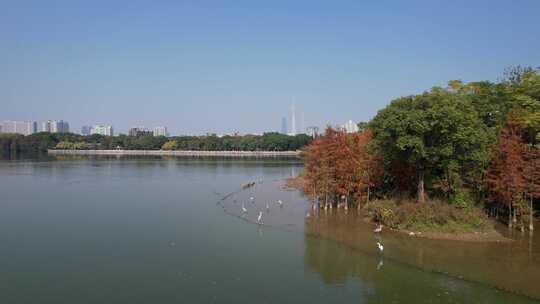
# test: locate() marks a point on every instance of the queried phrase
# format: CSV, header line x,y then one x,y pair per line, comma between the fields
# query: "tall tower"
x,y
293,119
302,128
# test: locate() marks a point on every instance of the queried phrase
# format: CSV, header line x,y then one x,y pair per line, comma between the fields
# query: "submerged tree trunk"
x,y
510,215
531,225
420,191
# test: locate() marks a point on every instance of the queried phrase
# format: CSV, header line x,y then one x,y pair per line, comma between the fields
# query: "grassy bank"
x,y
430,216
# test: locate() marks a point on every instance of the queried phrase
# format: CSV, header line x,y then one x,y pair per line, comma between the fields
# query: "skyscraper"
x,y
105,130
313,131
284,125
161,131
139,131
86,130
350,127
55,126
19,127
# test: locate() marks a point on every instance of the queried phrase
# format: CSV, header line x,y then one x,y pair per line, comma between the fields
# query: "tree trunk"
x,y
531,226
510,216
420,190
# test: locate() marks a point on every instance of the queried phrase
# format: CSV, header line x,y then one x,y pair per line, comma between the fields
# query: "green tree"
x,y
436,131
170,145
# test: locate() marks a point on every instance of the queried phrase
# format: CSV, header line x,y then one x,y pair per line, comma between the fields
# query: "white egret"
x,y
259,218
378,229
380,265
381,247
244,208
280,203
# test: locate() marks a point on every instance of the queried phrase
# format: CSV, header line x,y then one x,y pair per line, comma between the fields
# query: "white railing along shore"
x,y
175,153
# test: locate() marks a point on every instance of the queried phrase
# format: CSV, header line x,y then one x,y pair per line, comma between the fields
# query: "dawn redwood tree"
x,y
344,164
506,178
338,163
367,166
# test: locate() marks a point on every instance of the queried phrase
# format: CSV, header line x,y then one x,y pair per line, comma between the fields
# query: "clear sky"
x,y
220,66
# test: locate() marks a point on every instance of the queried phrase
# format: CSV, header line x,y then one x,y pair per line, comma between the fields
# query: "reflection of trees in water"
x,y
338,264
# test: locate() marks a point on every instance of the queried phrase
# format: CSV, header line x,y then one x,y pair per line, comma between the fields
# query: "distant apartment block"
x,y
140,131
105,130
284,125
161,131
55,126
350,127
313,131
18,127
85,130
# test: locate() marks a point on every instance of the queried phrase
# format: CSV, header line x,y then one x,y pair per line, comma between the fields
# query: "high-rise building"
x,y
19,127
140,131
284,125
105,130
350,127
86,130
313,131
161,131
55,126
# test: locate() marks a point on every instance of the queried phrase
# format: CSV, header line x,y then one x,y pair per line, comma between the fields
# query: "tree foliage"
x,y
40,142
339,166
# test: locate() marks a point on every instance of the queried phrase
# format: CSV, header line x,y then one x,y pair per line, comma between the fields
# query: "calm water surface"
x,y
165,230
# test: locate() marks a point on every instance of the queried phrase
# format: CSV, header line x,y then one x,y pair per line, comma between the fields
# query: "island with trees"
x,y
448,160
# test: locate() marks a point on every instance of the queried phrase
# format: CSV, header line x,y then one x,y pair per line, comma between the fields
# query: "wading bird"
x,y
280,203
259,218
378,229
244,208
381,248
267,207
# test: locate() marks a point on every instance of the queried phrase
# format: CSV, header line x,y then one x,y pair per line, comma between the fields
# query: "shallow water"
x,y
159,230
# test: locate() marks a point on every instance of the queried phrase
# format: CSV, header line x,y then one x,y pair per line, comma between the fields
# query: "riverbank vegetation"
x,y
41,142
442,159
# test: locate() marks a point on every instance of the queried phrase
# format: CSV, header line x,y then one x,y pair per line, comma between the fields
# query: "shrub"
x,y
383,211
170,145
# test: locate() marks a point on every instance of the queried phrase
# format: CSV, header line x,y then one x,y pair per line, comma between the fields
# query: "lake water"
x,y
164,230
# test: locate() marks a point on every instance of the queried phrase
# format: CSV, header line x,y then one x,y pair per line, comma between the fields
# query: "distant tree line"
x,y
41,142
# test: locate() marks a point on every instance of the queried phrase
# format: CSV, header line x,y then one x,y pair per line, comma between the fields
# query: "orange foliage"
x,y
506,174
338,164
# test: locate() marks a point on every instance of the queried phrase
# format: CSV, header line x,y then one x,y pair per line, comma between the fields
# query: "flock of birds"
x,y
260,216
377,230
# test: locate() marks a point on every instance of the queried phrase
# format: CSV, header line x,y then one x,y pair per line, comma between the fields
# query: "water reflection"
x,y
443,270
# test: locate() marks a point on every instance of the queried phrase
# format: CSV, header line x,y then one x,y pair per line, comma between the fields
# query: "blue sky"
x,y
222,66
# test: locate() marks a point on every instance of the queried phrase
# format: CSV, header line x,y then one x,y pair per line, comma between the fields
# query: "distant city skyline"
x,y
201,67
